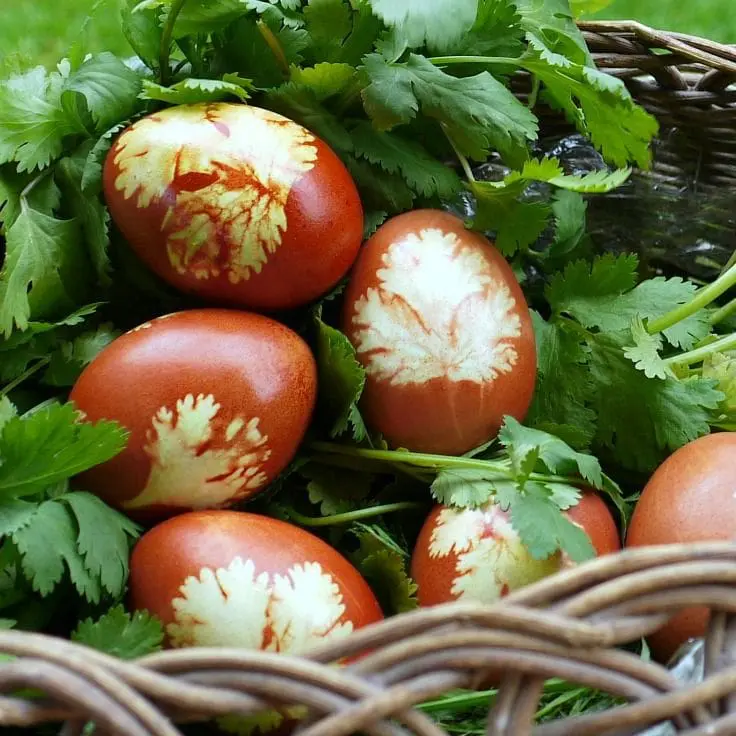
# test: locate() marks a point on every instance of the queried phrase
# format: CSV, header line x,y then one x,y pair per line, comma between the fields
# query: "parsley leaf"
x,y
328,23
437,23
50,445
423,173
121,634
468,488
340,370
497,30
142,30
33,123
335,490
478,112
644,353
191,91
70,358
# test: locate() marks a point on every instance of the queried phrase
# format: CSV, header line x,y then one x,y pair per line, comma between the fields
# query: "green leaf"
x,y
191,91
722,368
70,358
14,515
372,221
436,23
51,445
38,247
478,112
89,211
422,172
7,411
324,80
564,388
558,457
33,123
342,379
109,88
48,547
468,488
142,30
378,189
544,529
207,16
642,420
644,353
102,539
92,174
121,634
328,23
335,490
384,567
569,210
588,7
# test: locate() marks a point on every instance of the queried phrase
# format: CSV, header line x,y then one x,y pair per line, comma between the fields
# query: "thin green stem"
x,y
358,515
33,183
723,313
462,701
695,356
277,49
485,60
166,37
703,297
37,366
534,94
460,157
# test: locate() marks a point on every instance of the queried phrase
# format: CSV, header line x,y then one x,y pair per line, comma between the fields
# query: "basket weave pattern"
x,y
567,626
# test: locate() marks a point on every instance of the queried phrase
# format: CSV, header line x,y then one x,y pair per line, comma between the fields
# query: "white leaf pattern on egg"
x,y
193,465
438,313
225,173
491,559
235,606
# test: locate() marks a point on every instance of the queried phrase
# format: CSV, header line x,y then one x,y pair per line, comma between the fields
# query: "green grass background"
x,y
33,31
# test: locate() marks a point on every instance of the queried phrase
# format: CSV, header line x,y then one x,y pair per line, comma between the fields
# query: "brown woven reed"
x,y
568,626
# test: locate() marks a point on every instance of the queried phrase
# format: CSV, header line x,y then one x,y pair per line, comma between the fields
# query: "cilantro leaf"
x,y
640,419
478,112
569,210
335,490
436,23
71,357
14,515
109,88
102,539
497,30
372,221
7,411
39,247
121,634
205,16
423,173
324,79
644,353
33,122
522,442
340,370
564,389
380,190
384,567
51,445
328,23
465,487
722,368
543,529
191,91
142,30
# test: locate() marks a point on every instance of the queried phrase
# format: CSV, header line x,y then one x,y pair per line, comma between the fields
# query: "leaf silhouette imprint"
x,y
224,173
196,466
235,606
437,313
492,561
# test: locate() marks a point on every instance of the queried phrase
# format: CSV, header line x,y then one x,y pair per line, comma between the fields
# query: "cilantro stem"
x,y
695,356
703,297
277,49
495,469
166,37
487,60
37,366
534,94
460,157
357,515
723,313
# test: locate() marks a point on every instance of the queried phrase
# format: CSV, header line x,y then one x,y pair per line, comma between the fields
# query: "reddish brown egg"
x,y
235,204
691,497
441,326
227,578
476,555
216,403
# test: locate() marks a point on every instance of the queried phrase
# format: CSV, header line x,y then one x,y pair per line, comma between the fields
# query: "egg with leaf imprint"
x,y
235,579
237,205
476,555
691,497
441,326
216,402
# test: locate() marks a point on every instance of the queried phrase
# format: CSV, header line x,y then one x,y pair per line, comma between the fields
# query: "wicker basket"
x,y
570,626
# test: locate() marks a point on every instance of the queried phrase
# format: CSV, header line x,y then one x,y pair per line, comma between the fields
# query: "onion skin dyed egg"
x,y
475,555
234,204
691,497
234,579
444,333
216,403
